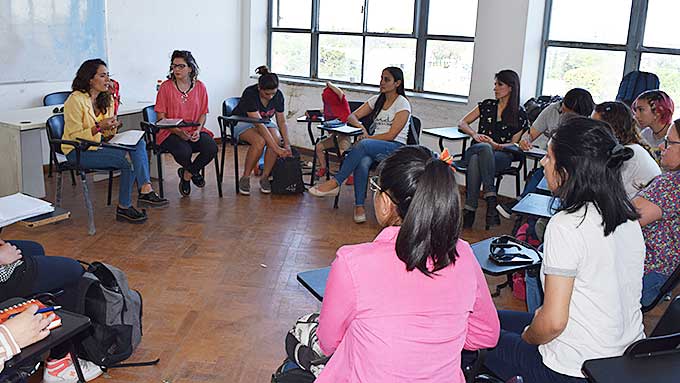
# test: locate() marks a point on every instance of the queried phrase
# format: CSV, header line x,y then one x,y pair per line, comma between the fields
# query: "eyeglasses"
x,y
375,187
667,142
178,66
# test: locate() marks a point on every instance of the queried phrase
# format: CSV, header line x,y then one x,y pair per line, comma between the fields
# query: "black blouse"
x,y
499,131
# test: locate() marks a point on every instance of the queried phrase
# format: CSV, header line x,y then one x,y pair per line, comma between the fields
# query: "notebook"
x,y
19,308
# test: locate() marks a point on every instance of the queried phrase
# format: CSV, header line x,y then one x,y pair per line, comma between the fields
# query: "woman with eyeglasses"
x,y
592,265
89,114
184,96
263,101
416,290
654,113
640,170
659,208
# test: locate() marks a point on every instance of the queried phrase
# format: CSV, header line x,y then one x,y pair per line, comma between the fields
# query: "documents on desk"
x,y
128,137
344,129
537,151
16,207
169,122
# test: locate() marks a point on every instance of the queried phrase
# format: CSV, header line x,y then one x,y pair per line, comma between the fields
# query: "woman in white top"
x,y
391,111
592,266
654,112
640,170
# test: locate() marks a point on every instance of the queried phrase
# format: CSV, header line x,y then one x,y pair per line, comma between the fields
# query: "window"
x,y
351,41
637,35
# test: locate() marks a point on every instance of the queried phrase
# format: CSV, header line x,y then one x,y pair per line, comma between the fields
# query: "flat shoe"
x,y
318,193
359,218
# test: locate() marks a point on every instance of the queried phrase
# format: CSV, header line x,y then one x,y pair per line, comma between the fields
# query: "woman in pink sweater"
x,y
403,307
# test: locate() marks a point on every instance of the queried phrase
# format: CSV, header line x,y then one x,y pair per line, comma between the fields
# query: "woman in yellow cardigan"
x,y
89,115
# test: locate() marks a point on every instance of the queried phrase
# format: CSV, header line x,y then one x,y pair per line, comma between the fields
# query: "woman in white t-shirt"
x,y
592,266
391,111
640,170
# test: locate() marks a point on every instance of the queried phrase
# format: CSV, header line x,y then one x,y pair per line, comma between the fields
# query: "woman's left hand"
x,y
195,136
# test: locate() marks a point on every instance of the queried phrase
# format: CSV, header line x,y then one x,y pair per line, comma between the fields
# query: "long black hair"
x,y
510,114
267,80
428,204
588,161
398,75
189,59
580,101
81,82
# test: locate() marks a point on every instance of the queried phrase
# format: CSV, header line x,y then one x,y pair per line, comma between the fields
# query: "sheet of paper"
x,y
537,151
15,207
128,137
345,129
169,122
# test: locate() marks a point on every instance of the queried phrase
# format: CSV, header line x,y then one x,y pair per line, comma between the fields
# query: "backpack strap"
x,y
136,364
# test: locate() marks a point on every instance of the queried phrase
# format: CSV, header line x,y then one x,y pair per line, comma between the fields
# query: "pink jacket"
x,y
385,324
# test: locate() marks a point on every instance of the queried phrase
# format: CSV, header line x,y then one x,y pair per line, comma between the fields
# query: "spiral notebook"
x,y
19,308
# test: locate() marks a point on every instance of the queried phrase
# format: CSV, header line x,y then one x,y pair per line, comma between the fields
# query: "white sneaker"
x,y
63,371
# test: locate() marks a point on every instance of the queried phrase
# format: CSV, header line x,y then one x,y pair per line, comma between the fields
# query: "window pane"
x,y
384,52
661,26
340,57
390,16
448,67
292,14
452,17
290,53
341,16
597,71
667,67
600,21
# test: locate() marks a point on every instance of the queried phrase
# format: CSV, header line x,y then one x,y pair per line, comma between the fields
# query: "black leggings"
x,y
182,150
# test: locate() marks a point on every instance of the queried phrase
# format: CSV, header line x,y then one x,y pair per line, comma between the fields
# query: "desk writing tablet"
x,y
451,133
543,185
482,250
624,369
537,204
315,281
57,215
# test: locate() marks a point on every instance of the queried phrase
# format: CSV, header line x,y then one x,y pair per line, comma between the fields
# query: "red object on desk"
x,y
21,307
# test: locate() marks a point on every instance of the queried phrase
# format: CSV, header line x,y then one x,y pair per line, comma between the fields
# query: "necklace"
x,y
656,133
184,95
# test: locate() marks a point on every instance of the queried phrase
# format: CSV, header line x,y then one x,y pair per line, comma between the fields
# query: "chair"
x,y
55,133
149,119
515,169
228,106
666,288
57,98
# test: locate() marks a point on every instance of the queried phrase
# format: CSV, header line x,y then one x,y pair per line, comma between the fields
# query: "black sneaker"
x,y
505,210
130,215
198,180
151,199
468,218
184,186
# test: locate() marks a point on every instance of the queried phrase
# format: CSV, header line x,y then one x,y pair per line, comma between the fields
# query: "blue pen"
x,y
42,310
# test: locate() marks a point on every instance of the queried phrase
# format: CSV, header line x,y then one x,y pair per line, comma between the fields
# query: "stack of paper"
x,y
17,207
169,122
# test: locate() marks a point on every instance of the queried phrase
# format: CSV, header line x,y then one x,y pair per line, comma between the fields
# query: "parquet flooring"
x,y
218,275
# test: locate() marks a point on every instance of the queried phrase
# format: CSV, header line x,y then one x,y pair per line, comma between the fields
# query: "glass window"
x,y
600,21
292,14
341,16
596,70
390,16
340,57
448,67
386,51
661,29
452,17
667,67
290,53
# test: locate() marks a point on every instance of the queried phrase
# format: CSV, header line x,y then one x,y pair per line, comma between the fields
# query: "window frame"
x,y
634,46
420,24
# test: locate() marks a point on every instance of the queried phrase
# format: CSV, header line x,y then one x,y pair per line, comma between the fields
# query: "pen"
x,y
42,310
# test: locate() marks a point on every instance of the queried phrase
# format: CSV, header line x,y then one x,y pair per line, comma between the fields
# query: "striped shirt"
x,y
8,346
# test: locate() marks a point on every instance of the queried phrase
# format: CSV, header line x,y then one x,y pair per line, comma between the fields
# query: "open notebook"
x,y
19,308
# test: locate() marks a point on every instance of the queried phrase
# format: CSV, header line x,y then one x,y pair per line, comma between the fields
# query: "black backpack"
x,y
287,175
535,105
635,83
115,312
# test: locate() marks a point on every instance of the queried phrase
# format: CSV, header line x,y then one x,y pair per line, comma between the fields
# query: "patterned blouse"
x,y
499,131
662,237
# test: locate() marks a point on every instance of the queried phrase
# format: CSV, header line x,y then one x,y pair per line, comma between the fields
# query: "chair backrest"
x,y
56,98
229,104
669,323
367,121
666,288
149,114
413,137
55,131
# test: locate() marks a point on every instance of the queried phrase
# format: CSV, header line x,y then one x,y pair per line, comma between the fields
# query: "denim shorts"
x,y
243,126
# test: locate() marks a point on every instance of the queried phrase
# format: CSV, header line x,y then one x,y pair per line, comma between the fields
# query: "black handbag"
x,y
507,250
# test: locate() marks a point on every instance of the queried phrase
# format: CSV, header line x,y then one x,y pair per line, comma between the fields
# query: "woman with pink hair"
x,y
654,112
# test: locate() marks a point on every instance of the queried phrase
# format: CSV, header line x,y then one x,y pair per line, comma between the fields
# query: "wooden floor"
x,y
218,275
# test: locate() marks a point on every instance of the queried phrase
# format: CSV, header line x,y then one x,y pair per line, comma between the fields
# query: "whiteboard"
x,y
47,40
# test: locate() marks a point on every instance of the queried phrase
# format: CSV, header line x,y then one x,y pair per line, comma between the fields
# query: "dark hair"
x,y
428,204
580,101
588,160
660,103
676,125
398,75
81,82
189,59
619,116
510,114
267,80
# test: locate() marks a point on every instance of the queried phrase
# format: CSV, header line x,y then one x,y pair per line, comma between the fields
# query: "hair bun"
x,y
618,155
262,70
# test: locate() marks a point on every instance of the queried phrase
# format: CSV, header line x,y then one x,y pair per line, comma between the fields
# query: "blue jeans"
x,y
513,356
482,163
359,159
651,286
106,158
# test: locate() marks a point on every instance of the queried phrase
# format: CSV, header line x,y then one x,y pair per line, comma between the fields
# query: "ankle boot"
x,y
492,218
468,218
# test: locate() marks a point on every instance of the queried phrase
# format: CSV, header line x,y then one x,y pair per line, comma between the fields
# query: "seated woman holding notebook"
x,y
88,114
183,96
